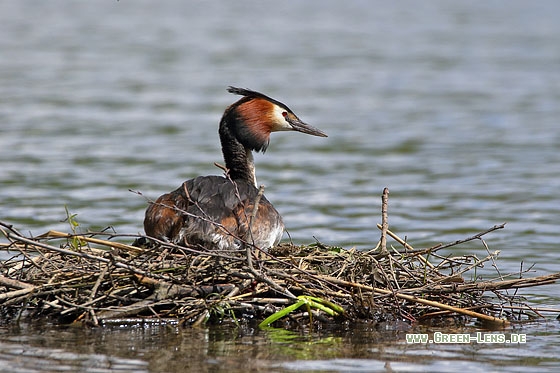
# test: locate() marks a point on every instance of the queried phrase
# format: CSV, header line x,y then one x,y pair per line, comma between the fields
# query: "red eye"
x,y
284,114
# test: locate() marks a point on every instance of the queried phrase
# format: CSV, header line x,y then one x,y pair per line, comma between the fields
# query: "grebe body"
x,y
215,212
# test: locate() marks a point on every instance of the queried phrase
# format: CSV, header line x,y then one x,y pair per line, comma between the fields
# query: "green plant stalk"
x,y
76,243
310,302
278,315
334,307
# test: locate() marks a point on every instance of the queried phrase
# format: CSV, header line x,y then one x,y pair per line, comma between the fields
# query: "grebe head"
x,y
255,116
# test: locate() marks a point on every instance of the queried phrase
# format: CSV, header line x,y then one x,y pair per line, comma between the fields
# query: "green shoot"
x,y
76,243
309,302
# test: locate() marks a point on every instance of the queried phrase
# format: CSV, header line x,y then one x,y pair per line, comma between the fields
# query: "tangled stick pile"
x,y
84,278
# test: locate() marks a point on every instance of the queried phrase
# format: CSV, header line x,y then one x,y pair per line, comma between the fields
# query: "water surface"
x,y
453,106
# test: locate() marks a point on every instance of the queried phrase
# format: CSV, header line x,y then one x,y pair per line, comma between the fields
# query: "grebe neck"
x,y
238,158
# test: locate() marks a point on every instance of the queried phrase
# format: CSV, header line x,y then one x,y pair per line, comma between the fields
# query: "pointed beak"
x,y
298,125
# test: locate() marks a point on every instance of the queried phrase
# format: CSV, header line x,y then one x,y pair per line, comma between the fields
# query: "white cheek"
x,y
280,123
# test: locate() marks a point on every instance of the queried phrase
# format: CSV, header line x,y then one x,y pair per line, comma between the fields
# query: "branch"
x,y
384,220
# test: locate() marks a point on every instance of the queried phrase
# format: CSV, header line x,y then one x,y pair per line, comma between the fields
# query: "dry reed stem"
x,y
116,245
384,220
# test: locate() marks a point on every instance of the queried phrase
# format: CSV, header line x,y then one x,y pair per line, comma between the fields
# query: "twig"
x,y
397,238
413,298
490,285
405,245
16,293
98,282
118,245
476,236
384,220
14,283
479,263
82,255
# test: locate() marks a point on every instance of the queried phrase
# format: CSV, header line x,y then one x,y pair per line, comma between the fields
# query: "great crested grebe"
x,y
215,212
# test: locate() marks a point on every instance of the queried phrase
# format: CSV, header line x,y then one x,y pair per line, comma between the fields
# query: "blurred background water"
x,y
452,105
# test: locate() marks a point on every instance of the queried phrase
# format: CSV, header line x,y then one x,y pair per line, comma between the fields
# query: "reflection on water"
x,y
15,358
167,348
453,106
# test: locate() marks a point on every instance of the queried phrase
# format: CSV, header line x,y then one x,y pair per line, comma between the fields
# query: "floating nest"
x,y
91,278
